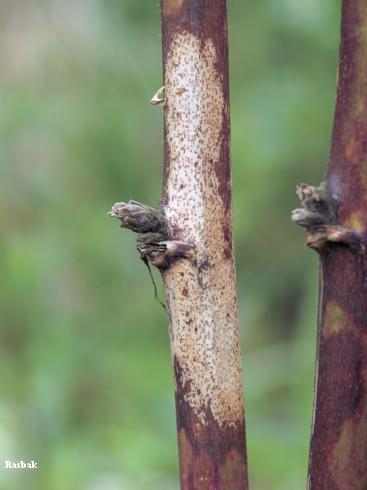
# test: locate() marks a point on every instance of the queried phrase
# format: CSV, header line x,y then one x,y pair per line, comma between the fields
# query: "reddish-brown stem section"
x,y
338,457
201,292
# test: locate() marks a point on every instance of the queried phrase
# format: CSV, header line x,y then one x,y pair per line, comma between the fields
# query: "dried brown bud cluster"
x,y
162,253
139,217
317,206
154,243
318,215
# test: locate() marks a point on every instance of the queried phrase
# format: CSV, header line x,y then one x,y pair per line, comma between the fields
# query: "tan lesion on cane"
x,y
196,464
207,344
356,220
348,457
354,145
356,161
172,7
351,129
352,73
231,471
336,320
186,455
203,471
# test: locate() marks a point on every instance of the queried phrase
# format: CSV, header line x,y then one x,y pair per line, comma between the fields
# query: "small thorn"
x,y
158,97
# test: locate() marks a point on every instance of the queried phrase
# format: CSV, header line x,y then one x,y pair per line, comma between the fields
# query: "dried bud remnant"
x,y
161,253
139,217
317,208
154,242
318,215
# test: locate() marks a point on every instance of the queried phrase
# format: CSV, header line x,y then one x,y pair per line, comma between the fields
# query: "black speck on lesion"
x,y
201,266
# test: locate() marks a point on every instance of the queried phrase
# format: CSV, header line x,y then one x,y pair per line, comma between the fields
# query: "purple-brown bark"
x,y
338,455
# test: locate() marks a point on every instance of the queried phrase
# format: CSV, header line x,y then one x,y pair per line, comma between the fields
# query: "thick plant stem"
x,y
189,239
201,293
338,456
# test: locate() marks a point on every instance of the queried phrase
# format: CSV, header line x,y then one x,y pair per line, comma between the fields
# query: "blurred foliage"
x,y
86,383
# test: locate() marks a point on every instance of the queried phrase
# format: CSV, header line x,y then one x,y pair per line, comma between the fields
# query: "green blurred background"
x,y
86,384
